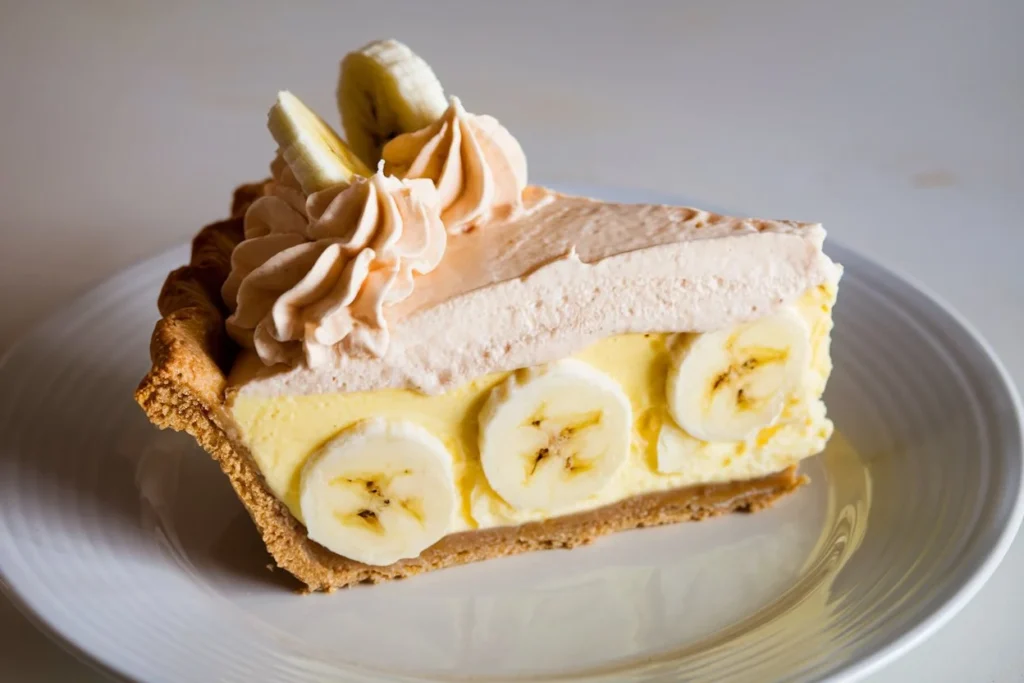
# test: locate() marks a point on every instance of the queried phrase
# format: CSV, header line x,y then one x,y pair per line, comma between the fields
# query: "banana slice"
x,y
554,435
384,90
379,492
724,385
313,151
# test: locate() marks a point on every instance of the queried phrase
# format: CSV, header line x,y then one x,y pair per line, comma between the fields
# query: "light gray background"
x,y
125,125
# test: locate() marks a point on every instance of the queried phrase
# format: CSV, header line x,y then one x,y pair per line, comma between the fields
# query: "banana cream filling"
x,y
380,475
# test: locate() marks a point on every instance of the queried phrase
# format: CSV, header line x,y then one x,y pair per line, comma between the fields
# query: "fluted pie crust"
x,y
192,355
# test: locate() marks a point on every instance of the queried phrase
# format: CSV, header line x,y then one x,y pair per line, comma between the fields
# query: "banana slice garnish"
x,y
313,151
385,89
379,492
725,385
554,435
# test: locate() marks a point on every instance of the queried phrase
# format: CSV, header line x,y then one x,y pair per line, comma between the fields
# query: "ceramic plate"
x,y
127,544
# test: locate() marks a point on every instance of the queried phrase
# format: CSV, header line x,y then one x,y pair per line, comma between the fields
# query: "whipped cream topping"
x,y
314,274
479,169
562,277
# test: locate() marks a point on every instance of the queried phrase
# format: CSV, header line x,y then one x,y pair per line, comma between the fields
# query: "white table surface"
x,y
124,126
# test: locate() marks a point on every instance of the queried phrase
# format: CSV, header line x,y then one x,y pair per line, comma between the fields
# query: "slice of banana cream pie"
x,y
405,357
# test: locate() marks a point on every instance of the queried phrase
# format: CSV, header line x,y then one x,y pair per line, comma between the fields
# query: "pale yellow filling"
x,y
282,432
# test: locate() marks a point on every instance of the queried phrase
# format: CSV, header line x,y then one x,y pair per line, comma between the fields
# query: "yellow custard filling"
x,y
283,432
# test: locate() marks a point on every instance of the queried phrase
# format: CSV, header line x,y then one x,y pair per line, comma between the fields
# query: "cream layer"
x,y
568,273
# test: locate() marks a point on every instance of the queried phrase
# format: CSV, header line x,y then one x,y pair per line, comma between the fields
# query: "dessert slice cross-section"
x,y
435,362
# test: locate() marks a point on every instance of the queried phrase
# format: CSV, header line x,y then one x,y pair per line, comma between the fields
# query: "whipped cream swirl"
x,y
479,169
317,272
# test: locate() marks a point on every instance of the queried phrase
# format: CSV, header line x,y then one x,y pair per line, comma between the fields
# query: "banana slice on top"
x,y
554,435
313,151
723,386
379,492
385,89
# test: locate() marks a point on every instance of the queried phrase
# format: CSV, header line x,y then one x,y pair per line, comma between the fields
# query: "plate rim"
x,y
855,670
944,613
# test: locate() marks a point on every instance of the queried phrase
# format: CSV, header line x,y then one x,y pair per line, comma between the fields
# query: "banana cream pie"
x,y
405,357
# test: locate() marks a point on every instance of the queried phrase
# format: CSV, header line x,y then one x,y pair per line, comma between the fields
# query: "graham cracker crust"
x,y
184,390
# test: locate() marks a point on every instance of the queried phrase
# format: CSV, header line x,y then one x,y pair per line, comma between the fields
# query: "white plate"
x,y
127,544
